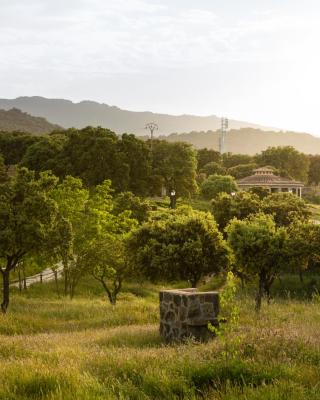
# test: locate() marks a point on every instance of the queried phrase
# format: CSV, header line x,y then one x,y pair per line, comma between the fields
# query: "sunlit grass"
x,y
55,348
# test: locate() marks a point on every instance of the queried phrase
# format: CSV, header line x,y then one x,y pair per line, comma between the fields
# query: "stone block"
x,y
185,313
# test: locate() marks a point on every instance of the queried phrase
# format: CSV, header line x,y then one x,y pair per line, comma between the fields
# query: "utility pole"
x,y
151,126
223,135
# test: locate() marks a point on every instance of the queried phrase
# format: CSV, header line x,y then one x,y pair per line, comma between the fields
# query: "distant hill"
x,y
243,137
16,120
250,141
79,115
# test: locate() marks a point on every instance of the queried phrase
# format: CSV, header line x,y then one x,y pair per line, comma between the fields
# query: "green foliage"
x,y
3,170
261,192
174,167
138,206
259,249
94,155
14,145
228,319
106,261
225,207
27,217
287,160
138,156
242,170
303,245
314,170
181,244
216,184
206,156
213,168
285,207
97,235
230,160
41,155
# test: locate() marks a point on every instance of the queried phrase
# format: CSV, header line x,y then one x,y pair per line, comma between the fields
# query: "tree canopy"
x,y
216,184
27,218
183,244
287,160
259,249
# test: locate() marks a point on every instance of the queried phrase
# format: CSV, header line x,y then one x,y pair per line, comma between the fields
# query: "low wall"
x,y
186,312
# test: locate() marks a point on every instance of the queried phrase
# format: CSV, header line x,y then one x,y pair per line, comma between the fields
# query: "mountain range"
x,y
79,115
245,138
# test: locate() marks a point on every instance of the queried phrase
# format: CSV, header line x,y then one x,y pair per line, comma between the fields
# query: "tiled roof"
x,y
267,178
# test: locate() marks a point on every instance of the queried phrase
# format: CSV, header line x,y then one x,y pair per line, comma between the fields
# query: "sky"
x,y
251,60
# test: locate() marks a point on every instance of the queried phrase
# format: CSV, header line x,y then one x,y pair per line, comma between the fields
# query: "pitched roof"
x,y
265,177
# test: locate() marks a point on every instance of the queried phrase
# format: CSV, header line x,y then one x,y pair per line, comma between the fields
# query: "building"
x,y
265,177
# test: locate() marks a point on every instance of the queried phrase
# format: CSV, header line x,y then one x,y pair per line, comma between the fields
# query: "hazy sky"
x,y
254,60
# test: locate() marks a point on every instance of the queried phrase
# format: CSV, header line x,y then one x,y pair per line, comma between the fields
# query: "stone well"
x,y
186,312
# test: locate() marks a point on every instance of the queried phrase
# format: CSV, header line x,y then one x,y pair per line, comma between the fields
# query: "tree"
x,y
303,245
230,160
174,167
260,191
287,160
213,168
3,170
259,249
205,156
138,206
41,155
242,170
285,207
93,155
225,207
93,226
108,265
138,156
314,170
216,184
181,244
13,145
27,217
72,200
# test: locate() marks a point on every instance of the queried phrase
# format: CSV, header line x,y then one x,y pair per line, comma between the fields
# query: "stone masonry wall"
x,y
185,313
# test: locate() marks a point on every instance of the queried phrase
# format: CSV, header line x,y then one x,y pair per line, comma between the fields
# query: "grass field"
x,y
54,348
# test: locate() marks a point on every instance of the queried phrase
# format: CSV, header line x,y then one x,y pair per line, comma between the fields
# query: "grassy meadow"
x,y
56,348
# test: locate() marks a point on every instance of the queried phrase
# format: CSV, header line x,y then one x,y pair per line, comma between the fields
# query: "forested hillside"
x,y
16,120
249,140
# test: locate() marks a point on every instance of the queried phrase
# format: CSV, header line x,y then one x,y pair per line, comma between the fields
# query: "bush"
x,y
216,184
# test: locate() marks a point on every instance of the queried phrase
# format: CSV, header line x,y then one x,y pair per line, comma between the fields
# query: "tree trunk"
x,y
301,275
24,277
20,282
259,294
66,282
194,281
6,290
56,281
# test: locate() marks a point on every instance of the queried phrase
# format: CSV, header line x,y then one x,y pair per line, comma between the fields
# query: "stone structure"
x,y
186,312
265,177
